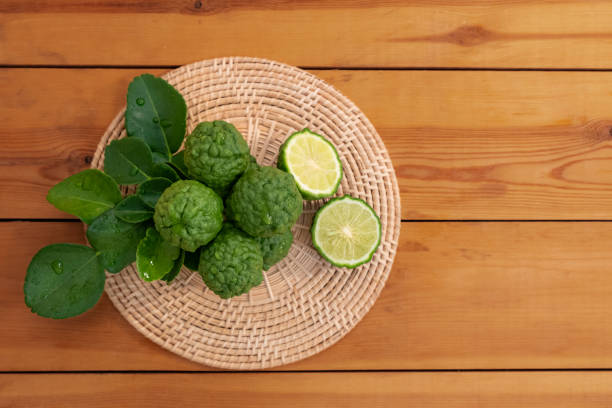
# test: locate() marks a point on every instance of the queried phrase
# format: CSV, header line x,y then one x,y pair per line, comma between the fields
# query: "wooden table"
x,y
498,118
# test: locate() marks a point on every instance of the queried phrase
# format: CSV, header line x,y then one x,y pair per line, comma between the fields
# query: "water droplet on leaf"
x,y
166,123
57,266
155,120
140,101
134,171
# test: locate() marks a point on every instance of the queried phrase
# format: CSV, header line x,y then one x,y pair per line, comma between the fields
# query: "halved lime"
x,y
346,231
313,162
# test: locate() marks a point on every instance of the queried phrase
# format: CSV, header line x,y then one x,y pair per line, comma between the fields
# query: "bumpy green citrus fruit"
x,y
216,154
188,214
231,264
264,201
275,248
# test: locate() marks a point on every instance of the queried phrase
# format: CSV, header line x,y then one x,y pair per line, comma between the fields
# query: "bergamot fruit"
x,y
231,264
265,201
252,163
314,163
346,231
275,248
188,214
216,154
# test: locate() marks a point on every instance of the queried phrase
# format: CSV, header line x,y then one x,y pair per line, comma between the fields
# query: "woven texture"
x,y
305,304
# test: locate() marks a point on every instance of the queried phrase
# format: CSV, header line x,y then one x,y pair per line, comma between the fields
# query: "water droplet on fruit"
x,y
140,101
57,266
166,123
155,120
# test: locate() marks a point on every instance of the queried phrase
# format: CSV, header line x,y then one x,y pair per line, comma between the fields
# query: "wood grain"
x,y
337,33
468,295
465,145
386,389
216,6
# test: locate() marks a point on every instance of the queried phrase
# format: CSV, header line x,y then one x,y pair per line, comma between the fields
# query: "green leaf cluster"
x,y
65,280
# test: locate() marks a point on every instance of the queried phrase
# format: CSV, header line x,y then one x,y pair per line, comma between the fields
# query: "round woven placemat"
x,y
305,304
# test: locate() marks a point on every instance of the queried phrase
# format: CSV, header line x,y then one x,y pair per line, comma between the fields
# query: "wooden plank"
x,y
339,33
98,340
386,389
53,121
465,295
465,145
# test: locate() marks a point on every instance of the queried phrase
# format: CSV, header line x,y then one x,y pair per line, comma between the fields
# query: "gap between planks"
x,y
318,68
448,370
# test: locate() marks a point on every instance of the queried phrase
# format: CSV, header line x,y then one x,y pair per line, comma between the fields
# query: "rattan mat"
x,y
305,304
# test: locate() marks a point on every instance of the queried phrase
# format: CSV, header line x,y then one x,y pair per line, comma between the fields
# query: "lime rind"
x,y
307,192
345,262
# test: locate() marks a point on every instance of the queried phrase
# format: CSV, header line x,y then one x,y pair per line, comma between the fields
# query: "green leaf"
x,y
164,170
86,194
170,276
63,280
159,158
133,210
128,161
115,240
192,259
178,161
156,113
155,258
150,190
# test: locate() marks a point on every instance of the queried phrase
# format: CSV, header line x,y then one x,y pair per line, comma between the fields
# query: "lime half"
x,y
314,163
346,231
